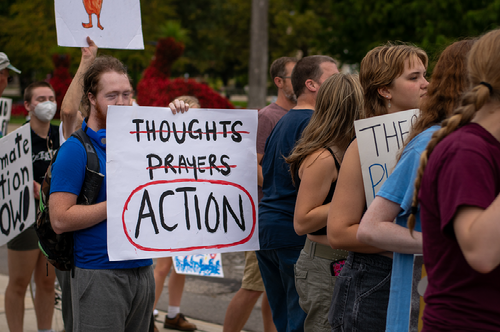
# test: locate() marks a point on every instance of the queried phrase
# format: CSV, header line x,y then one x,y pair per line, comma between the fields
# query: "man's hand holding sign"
x,y
180,184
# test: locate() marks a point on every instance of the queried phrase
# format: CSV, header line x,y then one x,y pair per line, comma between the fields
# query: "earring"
x,y
388,105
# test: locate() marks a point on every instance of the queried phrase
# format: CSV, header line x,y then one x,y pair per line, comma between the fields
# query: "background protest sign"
x,y
180,184
379,140
109,23
207,265
5,110
17,209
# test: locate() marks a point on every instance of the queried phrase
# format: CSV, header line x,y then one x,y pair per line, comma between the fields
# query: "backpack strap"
x,y
93,177
92,158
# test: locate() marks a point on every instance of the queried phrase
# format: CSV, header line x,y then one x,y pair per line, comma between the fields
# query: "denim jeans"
x,y
361,294
277,269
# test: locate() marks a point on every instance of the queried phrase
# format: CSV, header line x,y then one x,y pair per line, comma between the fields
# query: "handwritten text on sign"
x,y
379,140
17,207
208,265
180,184
5,111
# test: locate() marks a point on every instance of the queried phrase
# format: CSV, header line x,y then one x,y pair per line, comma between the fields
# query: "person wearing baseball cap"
x,y
5,65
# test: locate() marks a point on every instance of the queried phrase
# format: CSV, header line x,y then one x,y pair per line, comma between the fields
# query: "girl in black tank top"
x,y
314,165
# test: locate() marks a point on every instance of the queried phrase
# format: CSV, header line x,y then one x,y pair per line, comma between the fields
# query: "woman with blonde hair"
x,y
393,200
393,80
458,186
314,165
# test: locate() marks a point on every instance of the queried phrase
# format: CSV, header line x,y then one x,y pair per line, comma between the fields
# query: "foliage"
x,y
216,32
61,79
18,110
157,89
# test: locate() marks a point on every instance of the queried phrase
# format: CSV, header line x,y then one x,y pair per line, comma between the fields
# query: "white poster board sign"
x,y
5,111
109,23
17,206
207,265
379,140
180,184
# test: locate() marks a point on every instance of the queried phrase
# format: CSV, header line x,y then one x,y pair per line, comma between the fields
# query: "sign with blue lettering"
x,y
17,206
379,140
180,184
207,265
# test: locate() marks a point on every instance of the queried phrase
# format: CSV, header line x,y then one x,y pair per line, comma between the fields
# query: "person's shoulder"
x,y
322,156
272,110
72,146
419,142
272,107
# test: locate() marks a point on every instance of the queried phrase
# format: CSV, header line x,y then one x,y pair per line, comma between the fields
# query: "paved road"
x,y
204,298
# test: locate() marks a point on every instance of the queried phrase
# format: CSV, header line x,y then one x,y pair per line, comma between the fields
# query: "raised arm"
x,y
378,229
73,97
317,173
348,205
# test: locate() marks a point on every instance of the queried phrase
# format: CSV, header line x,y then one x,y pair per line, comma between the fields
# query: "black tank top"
x,y
329,197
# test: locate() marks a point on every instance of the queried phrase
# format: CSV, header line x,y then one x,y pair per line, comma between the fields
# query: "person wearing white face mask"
x,y
24,257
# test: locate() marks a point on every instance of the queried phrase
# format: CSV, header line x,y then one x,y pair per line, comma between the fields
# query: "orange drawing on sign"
x,y
93,7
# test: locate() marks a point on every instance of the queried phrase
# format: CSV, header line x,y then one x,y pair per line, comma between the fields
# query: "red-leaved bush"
x,y
157,89
61,79
18,110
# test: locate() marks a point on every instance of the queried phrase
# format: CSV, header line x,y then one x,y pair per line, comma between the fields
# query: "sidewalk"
x,y
57,323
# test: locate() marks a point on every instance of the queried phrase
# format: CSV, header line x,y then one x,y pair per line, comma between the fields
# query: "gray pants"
x,y
64,278
112,300
314,283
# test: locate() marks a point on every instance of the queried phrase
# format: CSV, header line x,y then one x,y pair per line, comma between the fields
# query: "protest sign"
x,y
17,209
109,23
207,265
180,184
5,110
379,140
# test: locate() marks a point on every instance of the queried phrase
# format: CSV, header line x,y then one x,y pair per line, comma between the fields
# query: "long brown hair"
x,y
448,82
338,104
484,76
380,67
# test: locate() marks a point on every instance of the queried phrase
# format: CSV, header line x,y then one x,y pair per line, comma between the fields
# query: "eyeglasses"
x,y
283,77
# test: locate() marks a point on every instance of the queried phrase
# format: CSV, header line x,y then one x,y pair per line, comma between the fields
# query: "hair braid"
x,y
471,102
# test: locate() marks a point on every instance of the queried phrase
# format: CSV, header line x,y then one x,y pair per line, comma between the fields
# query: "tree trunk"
x,y
257,68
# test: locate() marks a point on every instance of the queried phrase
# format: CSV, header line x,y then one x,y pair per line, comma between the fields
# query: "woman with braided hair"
x,y
458,186
393,200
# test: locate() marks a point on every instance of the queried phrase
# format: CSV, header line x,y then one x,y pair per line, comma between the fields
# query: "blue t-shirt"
x,y
399,188
277,207
68,173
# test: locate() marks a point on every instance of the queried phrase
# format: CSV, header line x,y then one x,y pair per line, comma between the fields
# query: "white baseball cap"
x,y
5,63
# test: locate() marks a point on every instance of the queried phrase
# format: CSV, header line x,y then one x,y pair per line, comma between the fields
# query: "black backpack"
x,y
58,248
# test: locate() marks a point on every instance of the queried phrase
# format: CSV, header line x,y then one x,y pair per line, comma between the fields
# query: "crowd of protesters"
x,y
327,261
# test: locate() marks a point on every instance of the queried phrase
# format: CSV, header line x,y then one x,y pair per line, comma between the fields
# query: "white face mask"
x,y
45,111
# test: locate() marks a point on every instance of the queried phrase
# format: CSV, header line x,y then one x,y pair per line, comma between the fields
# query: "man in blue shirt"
x,y
280,245
106,296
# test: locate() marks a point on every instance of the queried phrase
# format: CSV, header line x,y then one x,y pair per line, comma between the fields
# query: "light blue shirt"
x,y
399,189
